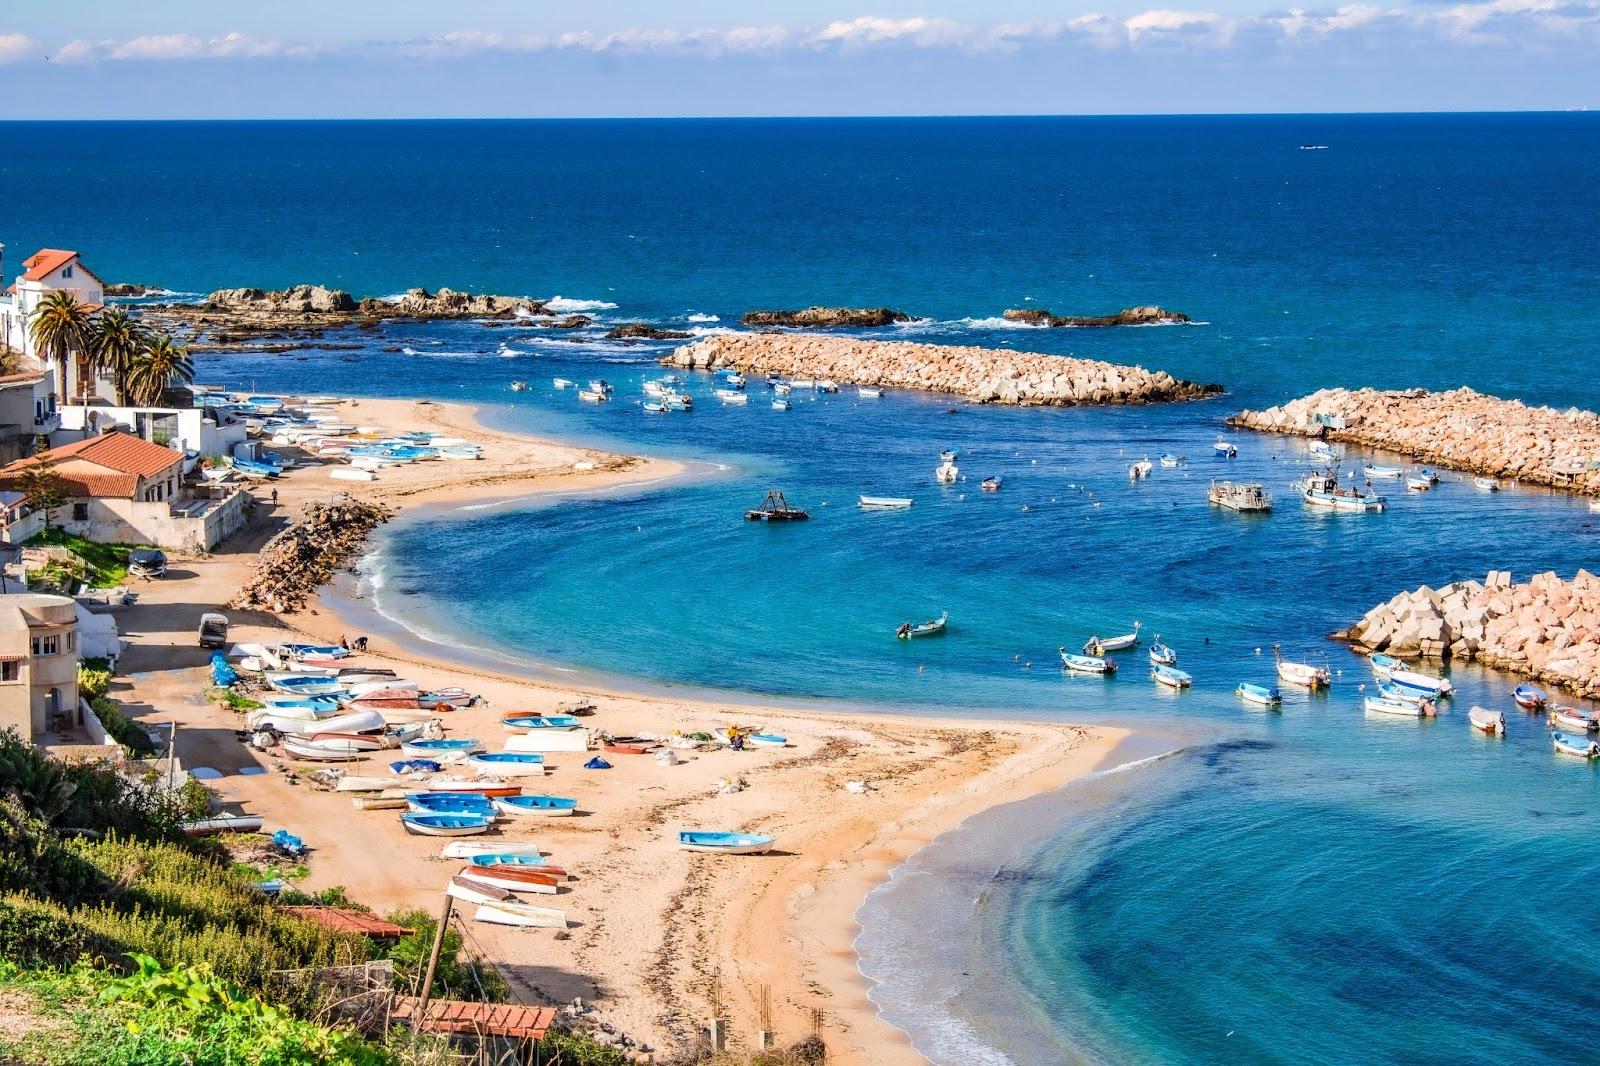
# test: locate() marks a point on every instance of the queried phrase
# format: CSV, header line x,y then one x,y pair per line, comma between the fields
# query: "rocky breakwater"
x,y
1128,316
1461,429
303,558
982,375
827,317
1546,628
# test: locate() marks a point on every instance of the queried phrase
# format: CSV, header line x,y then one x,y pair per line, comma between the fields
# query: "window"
x,y
47,645
10,671
80,512
66,271
72,640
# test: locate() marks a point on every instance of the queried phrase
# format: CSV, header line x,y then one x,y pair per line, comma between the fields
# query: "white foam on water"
x,y
563,305
698,317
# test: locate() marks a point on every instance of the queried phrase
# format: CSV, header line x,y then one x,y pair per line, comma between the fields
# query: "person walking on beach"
x,y
274,497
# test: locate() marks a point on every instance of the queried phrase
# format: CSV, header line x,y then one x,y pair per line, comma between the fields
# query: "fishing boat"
x,y
776,509
506,763
1169,461
1304,675
1529,698
513,878
1243,496
519,386
1322,490
1430,474
1101,645
1394,708
1161,655
1400,694
654,388
679,402
780,404
867,393
535,863
1424,683
1418,484
563,383
445,825
734,379
946,473
1383,665
949,455
1171,677
991,484
602,386
1384,471
222,823
1086,664
464,849
1140,470
1575,719
544,806
1224,448
725,843
1486,721
931,628
733,396
1260,695
827,386
884,503
439,749
590,396
1322,451
520,914
449,803
1582,747
654,407
1487,484
523,723
782,388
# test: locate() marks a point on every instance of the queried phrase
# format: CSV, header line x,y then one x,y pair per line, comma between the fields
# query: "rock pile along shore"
x,y
1545,628
982,375
304,557
1461,429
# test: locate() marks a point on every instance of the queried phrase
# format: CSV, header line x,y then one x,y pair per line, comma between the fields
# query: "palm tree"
x,y
59,327
115,341
158,363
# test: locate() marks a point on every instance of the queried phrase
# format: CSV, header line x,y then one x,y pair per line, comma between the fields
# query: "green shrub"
x,y
104,565
121,728
457,976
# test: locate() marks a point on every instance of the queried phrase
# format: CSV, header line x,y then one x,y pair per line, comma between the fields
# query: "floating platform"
x,y
776,509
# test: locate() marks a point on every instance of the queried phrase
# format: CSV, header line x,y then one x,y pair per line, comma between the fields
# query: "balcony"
x,y
48,422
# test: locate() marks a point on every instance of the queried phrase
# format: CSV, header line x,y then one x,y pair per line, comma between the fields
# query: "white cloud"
x,y
15,47
870,29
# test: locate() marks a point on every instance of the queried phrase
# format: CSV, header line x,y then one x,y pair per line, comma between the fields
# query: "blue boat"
x,y
726,843
1171,677
1582,747
541,721
1161,655
445,825
1529,698
415,766
448,803
507,859
1384,665
425,748
307,685
315,651
547,806
1260,695
254,469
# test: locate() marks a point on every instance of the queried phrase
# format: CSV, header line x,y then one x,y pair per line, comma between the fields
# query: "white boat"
x,y
602,386
545,741
1594,505
946,473
735,379
1384,471
884,503
1418,484
866,393
733,396
1487,721
1582,747
655,388
351,473
323,750
827,386
1170,461
655,408
781,405
1323,491
590,396
468,849
1170,676
1322,451
523,914
1141,469
1574,719
948,455
355,783
521,764
1101,645
1260,695
1304,675
1240,496
1487,484
1432,686
783,388
1394,708
1086,664
563,383
1225,448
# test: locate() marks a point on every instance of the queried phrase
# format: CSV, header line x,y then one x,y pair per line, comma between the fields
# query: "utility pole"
x,y
433,958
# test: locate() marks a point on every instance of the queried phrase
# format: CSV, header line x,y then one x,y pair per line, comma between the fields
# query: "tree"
x,y
158,363
59,327
116,340
43,486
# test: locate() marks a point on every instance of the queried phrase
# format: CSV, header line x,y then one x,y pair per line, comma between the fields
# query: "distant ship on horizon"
x,y
1313,148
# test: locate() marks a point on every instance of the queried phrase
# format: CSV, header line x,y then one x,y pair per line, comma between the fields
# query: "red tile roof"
x,y
42,262
475,1019
107,466
349,920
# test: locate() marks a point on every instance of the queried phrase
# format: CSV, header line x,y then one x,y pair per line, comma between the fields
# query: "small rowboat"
x,y
1384,471
1487,484
1529,698
428,803
1383,665
440,749
1087,664
1400,694
445,825
322,751
522,914
1161,655
1170,461
991,484
1304,675
628,746
222,823
523,723
1486,721
1575,720
466,849
1410,679
1171,677
514,878
562,383
1260,695
866,393
780,404
1225,448
352,783
1101,645
732,396
543,806
1141,469
725,843
1419,484
476,788
507,763
488,860
1398,708
1582,747
883,503
304,684
354,741
931,628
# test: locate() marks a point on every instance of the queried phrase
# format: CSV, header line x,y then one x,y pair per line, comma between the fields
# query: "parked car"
x,y
147,562
213,630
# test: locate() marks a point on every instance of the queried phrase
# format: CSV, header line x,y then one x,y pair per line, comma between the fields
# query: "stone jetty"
x,y
982,375
1546,628
1460,429
303,558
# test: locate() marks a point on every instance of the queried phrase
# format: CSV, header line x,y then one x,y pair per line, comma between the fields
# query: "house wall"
x,y
21,529
184,525
194,431
25,704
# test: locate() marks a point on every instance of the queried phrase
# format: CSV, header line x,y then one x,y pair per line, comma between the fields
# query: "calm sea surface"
x,y
1310,886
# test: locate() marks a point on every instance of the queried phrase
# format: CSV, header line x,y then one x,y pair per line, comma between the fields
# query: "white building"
x,y
206,430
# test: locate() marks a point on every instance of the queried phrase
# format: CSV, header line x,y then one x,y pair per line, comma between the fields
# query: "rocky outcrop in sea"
x,y
827,317
645,332
982,375
1460,429
1545,628
1129,316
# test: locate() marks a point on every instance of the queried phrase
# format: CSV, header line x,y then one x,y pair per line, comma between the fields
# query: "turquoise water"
x,y
1303,887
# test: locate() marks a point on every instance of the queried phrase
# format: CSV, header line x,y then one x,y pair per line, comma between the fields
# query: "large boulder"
x,y
827,317
297,299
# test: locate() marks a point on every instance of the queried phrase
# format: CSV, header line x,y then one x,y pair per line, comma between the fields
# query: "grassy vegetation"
x,y
94,679
103,566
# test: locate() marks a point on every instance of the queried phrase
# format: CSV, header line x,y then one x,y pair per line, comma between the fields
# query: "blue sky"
x,y
504,58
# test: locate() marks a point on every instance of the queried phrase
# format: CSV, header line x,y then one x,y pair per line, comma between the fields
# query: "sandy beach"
x,y
660,939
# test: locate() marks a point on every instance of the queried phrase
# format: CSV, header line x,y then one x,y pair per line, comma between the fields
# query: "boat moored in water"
x,y
1574,720
1161,655
1582,747
1322,490
1087,664
1304,675
1101,645
884,503
1529,698
1225,448
1259,695
932,628
991,484
1486,721
1394,708
1170,676
1239,496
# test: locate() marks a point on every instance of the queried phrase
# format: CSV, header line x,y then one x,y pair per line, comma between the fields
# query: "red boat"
x,y
512,878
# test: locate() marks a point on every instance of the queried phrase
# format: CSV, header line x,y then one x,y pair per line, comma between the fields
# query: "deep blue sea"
x,y
1307,886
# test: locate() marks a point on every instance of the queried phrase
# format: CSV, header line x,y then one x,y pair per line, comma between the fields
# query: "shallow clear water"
x,y
1306,887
